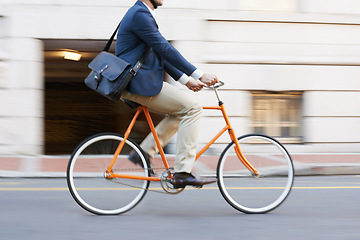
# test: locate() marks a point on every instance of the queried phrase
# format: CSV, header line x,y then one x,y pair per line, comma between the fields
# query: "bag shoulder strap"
x,y
139,63
108,44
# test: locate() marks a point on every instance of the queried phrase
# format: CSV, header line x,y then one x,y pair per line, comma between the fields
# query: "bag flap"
x,y
108,65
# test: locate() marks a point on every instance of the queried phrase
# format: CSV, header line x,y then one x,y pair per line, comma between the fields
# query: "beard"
x,y
154,4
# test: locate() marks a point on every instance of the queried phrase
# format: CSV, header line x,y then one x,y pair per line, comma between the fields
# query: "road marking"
x,y
33,189
269,188
204,188
332,187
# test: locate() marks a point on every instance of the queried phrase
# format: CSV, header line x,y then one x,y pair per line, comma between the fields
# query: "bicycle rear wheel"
x,y
255,194
86,175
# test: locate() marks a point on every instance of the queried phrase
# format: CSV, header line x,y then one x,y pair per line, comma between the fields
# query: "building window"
x,y
278,114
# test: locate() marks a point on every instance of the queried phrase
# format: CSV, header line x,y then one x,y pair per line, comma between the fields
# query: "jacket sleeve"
x,y
145,27
172,71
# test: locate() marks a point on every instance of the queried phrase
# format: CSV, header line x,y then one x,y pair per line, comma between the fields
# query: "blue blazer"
x,y
138,29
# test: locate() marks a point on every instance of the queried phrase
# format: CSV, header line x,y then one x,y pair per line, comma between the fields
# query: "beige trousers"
x,y
183,115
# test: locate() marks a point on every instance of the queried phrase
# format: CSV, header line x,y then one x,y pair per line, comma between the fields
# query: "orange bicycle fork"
x,y
233,138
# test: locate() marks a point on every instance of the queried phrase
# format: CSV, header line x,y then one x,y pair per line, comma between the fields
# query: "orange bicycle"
x,y
255,172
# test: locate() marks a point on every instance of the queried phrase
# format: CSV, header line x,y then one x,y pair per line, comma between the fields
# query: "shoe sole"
x,y
196,186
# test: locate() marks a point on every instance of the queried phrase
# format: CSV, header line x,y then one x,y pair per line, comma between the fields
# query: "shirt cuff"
x,y
183,79
197,74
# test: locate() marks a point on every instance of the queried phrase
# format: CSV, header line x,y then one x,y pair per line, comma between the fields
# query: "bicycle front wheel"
x,y
245,191
86,175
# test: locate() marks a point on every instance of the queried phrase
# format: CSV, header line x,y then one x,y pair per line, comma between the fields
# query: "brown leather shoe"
x,y
180,180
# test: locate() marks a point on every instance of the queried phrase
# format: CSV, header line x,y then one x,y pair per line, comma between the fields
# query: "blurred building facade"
x,y
291,68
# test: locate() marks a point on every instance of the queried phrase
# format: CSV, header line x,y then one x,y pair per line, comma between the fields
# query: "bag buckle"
x,y
98,74
132,72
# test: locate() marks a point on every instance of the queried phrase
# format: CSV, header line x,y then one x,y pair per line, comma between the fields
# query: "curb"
x,y
327,169
55,166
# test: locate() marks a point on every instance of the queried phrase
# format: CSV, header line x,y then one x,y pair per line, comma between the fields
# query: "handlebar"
x,y
217,85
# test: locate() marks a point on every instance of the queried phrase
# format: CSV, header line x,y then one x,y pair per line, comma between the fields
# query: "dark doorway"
x,y
72,111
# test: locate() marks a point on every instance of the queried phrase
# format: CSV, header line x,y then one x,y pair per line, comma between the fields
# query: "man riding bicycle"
x,y
139,30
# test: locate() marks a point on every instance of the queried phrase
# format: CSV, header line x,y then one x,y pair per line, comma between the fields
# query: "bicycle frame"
x,y
228,127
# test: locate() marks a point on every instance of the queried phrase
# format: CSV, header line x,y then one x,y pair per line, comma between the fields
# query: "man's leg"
x,y
185,114
173,101
165,130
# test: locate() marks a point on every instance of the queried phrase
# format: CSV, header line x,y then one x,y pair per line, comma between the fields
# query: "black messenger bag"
x,y
110,75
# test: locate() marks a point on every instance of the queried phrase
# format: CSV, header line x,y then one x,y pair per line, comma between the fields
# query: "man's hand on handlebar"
x,y
209,79
195,85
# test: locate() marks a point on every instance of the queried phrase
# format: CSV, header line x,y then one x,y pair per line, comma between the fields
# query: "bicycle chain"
x,y
130,169
129,185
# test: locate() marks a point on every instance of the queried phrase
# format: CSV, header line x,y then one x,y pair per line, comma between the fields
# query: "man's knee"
x,y
198,108
195,110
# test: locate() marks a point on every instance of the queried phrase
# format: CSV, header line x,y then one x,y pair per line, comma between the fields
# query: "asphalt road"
x,y
317,208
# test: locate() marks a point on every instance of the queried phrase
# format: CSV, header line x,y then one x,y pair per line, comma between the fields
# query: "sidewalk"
x,y
305,164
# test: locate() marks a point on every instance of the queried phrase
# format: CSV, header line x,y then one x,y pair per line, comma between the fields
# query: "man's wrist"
x,y
197,74
184,79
